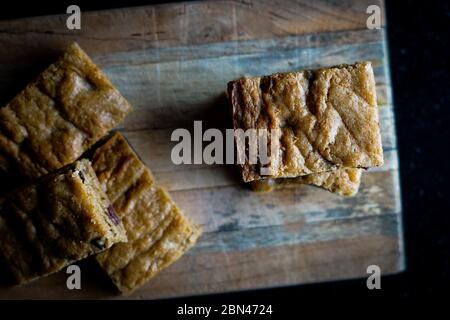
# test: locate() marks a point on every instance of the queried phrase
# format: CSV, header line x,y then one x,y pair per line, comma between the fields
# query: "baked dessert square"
x,y
320,120
58,116
63,217
343,181
158,232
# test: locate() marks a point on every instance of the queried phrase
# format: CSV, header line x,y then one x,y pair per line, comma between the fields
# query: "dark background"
x,y
419,57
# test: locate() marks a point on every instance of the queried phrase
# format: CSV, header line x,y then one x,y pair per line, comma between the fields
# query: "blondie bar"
x,y
158,233
323,119
343,181
63,217
60,115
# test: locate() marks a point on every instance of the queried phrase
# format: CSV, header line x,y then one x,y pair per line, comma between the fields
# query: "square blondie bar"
x,y
343,181
323,119
63,217
57,117
158,233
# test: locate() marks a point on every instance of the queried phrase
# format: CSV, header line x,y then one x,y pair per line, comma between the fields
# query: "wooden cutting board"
x,y
173,63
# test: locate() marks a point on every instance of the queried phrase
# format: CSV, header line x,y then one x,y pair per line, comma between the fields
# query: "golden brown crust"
x,y
158,233
328,118
62,218
343,181
57,117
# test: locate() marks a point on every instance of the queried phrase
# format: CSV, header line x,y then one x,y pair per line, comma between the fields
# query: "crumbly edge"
x,y
343,181
102,208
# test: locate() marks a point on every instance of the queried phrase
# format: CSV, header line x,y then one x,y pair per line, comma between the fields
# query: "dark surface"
x,y
419,50
419,54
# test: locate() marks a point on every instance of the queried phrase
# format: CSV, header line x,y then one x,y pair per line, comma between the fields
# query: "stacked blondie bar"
x,y
326,125
108,205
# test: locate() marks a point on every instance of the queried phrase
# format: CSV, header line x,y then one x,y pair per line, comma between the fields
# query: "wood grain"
x,y
173,62
187,24
255,268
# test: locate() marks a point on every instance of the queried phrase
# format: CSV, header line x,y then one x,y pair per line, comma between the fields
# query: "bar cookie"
x,y
344,181
57,117
62,218
322,119
158,233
